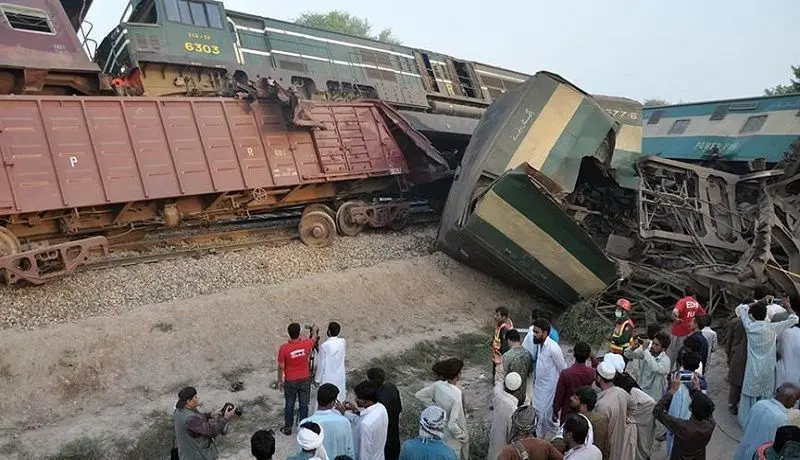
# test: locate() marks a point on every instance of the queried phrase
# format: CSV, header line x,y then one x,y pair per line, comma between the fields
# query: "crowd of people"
x,y
648,389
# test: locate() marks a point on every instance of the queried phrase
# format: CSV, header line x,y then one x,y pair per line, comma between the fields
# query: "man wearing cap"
x,y
613,403
505,403
195,431
622,337
429,445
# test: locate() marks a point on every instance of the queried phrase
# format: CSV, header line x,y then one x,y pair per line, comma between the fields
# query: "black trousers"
x,y
294,391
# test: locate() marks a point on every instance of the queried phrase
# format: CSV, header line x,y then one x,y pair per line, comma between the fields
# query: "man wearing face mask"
x,y
622,337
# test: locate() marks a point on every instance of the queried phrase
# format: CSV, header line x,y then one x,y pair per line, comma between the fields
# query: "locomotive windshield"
x,y
200,14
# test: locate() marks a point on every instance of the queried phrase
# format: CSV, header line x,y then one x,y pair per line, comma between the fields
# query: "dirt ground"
x,y
105,387
107,380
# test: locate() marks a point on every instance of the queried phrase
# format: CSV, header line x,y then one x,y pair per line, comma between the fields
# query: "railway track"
x,y
139,252
128,260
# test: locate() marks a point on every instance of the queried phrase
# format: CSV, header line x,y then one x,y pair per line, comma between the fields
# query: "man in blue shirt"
x,y
338,439
429,445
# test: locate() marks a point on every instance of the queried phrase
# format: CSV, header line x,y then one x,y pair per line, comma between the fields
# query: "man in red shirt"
x,y
685,309
294,374
572,378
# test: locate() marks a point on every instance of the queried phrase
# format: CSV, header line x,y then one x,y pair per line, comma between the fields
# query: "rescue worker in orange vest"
x,y
499,343
622,337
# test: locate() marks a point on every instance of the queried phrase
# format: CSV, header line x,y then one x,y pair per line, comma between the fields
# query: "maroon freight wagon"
x,y
79,166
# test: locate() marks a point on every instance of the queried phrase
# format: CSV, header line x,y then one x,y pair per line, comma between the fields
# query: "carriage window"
x,y
655,117
753,124
679,127
27,19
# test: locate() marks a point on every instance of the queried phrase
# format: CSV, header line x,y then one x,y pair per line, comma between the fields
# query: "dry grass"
x,y
84,449
581,322
479,441
237,374
162,326
409,369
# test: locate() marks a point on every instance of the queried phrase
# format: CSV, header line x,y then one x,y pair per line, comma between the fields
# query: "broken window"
x,y
679,126
753,124
27,19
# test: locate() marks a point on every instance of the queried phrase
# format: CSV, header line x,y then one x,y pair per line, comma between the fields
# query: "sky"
x,y
678,50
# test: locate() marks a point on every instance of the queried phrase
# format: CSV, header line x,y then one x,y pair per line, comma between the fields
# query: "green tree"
x,y
655,102
344,22
792,87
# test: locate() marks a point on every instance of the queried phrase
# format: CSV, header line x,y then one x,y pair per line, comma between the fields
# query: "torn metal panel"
x,y
505,213
518,232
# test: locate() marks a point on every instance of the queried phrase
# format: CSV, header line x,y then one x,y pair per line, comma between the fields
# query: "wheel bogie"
x,y
317,229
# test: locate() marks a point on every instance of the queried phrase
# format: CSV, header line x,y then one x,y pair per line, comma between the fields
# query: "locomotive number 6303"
x,y
201,48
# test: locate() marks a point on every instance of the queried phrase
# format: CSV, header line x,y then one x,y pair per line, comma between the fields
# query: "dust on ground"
x,y
105,387
106,383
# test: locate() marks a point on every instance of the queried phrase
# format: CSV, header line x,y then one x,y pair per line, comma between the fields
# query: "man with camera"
x,y
294,373
195,431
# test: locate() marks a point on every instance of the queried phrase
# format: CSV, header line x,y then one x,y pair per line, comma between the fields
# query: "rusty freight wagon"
x,y
77,167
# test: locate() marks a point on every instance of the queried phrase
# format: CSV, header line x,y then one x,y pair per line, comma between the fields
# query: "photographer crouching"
x,y
195,431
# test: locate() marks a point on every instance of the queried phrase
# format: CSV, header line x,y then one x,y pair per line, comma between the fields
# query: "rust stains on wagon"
x,y
40,53
78,166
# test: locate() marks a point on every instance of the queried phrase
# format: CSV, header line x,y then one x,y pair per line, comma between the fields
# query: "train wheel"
x,y
319,207
344,221
9,244
399,223
317,229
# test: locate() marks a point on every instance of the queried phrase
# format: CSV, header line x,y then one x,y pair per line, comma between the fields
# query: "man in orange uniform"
x,y
622,337
499,342
686,308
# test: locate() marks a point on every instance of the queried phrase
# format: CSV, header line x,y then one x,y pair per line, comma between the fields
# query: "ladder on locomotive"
x,y
87,43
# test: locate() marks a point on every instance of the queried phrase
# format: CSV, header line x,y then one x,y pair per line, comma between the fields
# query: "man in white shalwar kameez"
x,y
505,404
549,364
788,357
445,394
330,361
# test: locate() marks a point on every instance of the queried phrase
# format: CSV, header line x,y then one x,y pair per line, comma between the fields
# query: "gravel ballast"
x,y
115,290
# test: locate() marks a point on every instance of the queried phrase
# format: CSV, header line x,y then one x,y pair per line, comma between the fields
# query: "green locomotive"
x,y
189,47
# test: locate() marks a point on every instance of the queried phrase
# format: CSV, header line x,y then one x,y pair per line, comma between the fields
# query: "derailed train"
x,y
77,169
536,143
81,166
538,202
196,47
